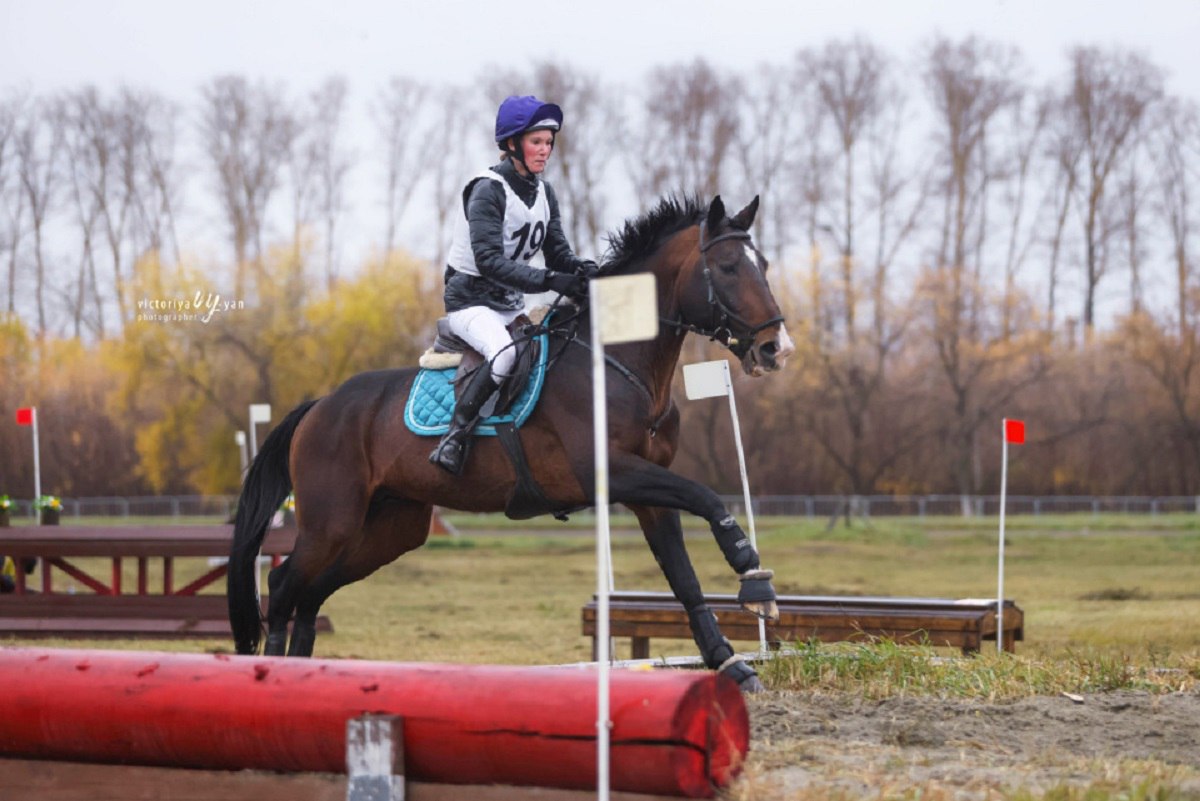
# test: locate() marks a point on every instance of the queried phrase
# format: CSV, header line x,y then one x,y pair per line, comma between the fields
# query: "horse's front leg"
x,y
665,537
638,482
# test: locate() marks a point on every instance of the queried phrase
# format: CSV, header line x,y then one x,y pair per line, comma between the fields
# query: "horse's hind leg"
x,y
277,635
393,527
326,527
664,534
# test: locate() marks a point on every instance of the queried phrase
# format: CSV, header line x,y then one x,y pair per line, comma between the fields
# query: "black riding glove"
x,y
587,269
566,284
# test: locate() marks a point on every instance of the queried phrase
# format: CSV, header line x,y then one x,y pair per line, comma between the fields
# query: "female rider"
x,y
510,214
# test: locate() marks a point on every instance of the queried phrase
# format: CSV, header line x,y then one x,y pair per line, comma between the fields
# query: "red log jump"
x,y
674,733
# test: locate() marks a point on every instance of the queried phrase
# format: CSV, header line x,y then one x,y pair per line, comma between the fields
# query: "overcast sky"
x,y
175,47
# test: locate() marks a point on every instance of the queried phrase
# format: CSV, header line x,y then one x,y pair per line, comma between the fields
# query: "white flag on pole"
x,y
624,309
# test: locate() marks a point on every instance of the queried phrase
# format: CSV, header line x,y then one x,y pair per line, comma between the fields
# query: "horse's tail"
x,y
267,485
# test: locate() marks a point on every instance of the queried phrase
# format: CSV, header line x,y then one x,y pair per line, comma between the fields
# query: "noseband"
x,y
723,315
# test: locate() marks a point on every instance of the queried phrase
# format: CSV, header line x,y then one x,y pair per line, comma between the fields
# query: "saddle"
x,y
449,351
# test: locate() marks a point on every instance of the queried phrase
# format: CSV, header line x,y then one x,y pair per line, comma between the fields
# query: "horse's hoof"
x,y
767,610
757,596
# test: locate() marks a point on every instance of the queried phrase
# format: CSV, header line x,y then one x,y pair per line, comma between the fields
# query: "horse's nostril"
x,y
769,349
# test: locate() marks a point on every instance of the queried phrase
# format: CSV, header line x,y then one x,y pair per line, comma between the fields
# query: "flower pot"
x,y
4,518
50,517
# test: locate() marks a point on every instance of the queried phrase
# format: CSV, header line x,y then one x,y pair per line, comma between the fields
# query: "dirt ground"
x,y
838,746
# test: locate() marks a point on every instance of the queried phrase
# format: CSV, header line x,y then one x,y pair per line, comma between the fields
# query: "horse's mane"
x,y
640,236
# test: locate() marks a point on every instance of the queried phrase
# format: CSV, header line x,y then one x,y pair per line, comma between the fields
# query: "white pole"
x,y
737,439
603,563
259,413
1000,567
253,438
239,439
37,461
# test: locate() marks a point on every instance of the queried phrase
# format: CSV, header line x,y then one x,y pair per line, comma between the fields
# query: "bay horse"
x,y
365,490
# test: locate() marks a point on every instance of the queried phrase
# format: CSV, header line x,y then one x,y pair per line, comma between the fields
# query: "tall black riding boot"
x,y
451,452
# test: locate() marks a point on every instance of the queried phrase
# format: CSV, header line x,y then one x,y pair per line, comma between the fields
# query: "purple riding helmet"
x,y
520,114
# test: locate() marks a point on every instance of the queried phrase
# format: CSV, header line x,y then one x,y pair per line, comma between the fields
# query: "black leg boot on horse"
x,y
451,452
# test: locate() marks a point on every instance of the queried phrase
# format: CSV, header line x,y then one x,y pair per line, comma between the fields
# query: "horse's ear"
x,y
745,218
716,213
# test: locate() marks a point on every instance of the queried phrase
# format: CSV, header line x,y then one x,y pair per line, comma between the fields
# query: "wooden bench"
x,y
128,616
964,624
103,609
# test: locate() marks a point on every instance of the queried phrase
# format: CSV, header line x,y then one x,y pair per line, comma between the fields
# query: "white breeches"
x,y
486,330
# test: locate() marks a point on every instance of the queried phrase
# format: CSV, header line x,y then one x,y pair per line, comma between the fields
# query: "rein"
x,y
567,330
721,331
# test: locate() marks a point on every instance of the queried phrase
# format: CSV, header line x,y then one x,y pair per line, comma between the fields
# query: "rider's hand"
x,y
572,286
587,269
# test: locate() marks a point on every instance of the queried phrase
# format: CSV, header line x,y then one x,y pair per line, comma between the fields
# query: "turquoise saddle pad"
x,y
431,400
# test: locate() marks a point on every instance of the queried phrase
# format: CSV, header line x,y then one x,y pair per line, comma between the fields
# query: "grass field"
x,y
1111,604
1113,585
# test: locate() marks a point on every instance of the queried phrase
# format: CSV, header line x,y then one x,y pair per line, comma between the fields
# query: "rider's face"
x,y
537,149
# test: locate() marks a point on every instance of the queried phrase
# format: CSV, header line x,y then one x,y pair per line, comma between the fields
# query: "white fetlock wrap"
x,y
728,662
758,573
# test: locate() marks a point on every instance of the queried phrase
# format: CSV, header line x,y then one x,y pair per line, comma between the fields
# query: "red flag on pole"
x,y
1014,431
25,416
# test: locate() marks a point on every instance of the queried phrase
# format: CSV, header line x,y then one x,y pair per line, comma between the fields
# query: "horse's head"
x,y
727,296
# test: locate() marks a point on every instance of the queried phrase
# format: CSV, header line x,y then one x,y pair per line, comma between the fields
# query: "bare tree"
x,y
12,198
1128,203
766,146
1172,360
38,150
863,195
317,166
1109,94
151,134
1065,153
689,122
1176,153
1026,132
332,162
119,159
984,369
86,133
300,165
847,78
397,112
454,124
970,83
247,131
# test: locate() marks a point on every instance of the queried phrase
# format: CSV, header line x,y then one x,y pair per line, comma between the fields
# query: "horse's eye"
x,y
729,268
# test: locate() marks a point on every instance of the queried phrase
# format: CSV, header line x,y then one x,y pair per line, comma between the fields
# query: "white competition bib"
x,y
524,228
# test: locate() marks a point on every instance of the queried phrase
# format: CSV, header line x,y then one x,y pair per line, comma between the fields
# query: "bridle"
x,y
724,316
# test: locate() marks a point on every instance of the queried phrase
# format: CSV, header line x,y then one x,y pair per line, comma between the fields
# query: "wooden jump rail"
x,y
964,624
109,609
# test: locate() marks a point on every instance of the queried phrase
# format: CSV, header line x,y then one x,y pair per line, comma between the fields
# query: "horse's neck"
x,y
655,360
